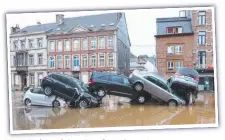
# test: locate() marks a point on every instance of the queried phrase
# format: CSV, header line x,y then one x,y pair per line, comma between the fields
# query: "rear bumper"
x,y
185,83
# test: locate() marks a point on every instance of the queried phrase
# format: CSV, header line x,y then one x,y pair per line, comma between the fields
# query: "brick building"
x,y
80,45
186,41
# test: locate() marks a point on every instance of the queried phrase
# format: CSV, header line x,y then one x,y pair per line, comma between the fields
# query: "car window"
x,y
63,79
117,79
186,71
104,78
36,90
72,83
162,85
126,81
151,79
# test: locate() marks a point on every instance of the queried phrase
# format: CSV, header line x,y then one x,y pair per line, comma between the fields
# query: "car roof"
x,y
156,75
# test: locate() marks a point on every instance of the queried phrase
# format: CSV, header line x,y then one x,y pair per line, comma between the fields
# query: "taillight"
x,y
197,79
44,78
178,74
91,82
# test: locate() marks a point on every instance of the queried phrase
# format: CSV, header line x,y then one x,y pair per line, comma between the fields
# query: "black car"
x,y
70,89
118,85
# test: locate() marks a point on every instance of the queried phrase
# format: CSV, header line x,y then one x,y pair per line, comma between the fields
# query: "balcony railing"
x,y
22,68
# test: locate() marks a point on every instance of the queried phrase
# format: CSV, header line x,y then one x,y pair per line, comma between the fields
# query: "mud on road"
x,y
114,112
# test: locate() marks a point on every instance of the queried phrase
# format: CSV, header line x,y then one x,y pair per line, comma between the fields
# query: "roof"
x,y
164,23
108,20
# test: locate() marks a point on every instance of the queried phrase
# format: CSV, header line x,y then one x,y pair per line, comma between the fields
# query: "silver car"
x,y
156,85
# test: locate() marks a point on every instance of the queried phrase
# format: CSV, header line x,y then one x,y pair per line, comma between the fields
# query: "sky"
x,y
141,24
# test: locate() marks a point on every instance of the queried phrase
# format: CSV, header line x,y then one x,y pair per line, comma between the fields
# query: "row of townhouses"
x,y
75,46
186,41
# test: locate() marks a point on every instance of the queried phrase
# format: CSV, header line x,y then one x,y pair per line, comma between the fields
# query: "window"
x,y
178,64
110,60
183,13
51,45
202,18
31,43
170,50
101,60
84,61
16,79
126,81
84,44
106,78
40,77
117,79
59,45
15,44
52,62
201,37
162,85
76,61
31,79
170,65
202,59
178,49
36,90
13,60
76,44
22,44
31,59
40,43
40,59
110,42
67,61
59,62
174,30
67,45
152,80
93,60
93,43
101,42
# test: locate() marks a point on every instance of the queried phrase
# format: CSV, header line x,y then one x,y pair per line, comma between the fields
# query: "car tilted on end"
x,y
185,83
103,83
70,89
156,85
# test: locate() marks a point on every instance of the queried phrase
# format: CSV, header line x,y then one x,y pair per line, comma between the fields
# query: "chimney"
x,y
15,29
59,18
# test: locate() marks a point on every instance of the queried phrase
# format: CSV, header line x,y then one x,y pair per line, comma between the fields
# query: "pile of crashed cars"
x,y
140,87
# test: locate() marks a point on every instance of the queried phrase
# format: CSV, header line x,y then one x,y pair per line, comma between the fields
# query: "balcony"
x,y
76,68
22,69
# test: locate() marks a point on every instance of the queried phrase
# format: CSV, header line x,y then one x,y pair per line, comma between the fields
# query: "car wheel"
x,y
101,92
56,103
141,99
172,103
27,102
48,91
83,103
138,87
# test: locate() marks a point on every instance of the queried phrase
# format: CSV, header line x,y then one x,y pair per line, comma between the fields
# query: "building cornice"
x,y
171,35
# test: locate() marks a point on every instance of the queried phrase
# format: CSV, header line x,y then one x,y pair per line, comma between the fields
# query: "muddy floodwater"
x,y
114,112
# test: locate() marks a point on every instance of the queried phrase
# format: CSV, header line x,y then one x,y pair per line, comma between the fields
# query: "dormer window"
x,y
111,24
183,13
174,30
103,25
92,26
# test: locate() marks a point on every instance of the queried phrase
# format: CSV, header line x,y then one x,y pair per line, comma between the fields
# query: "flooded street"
x,y
114,112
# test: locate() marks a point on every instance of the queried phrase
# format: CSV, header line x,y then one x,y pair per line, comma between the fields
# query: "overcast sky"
x,y
141,24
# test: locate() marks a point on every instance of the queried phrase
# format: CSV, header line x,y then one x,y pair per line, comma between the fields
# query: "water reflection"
x,y
111,115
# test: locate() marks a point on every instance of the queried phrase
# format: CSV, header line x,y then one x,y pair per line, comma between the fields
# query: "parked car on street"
x,y
36,96
70,89
118,85
185,83
156,85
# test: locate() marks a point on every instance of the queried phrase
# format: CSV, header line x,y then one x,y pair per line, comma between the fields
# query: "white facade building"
x,y
28,59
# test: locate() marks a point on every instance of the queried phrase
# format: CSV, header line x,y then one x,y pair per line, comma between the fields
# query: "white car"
x,y
36,96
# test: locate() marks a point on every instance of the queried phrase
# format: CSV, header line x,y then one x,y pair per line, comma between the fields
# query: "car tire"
x,y
101,92
48,91
27,102
138,86
55,103
83,103
172,103
141,99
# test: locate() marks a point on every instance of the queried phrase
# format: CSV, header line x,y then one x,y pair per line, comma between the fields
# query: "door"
x,y
117,86
37,97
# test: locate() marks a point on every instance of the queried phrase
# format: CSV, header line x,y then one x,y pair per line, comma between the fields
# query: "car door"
x,y
117,86
128,89
104,82
37,97
62,87
152,86
71,92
